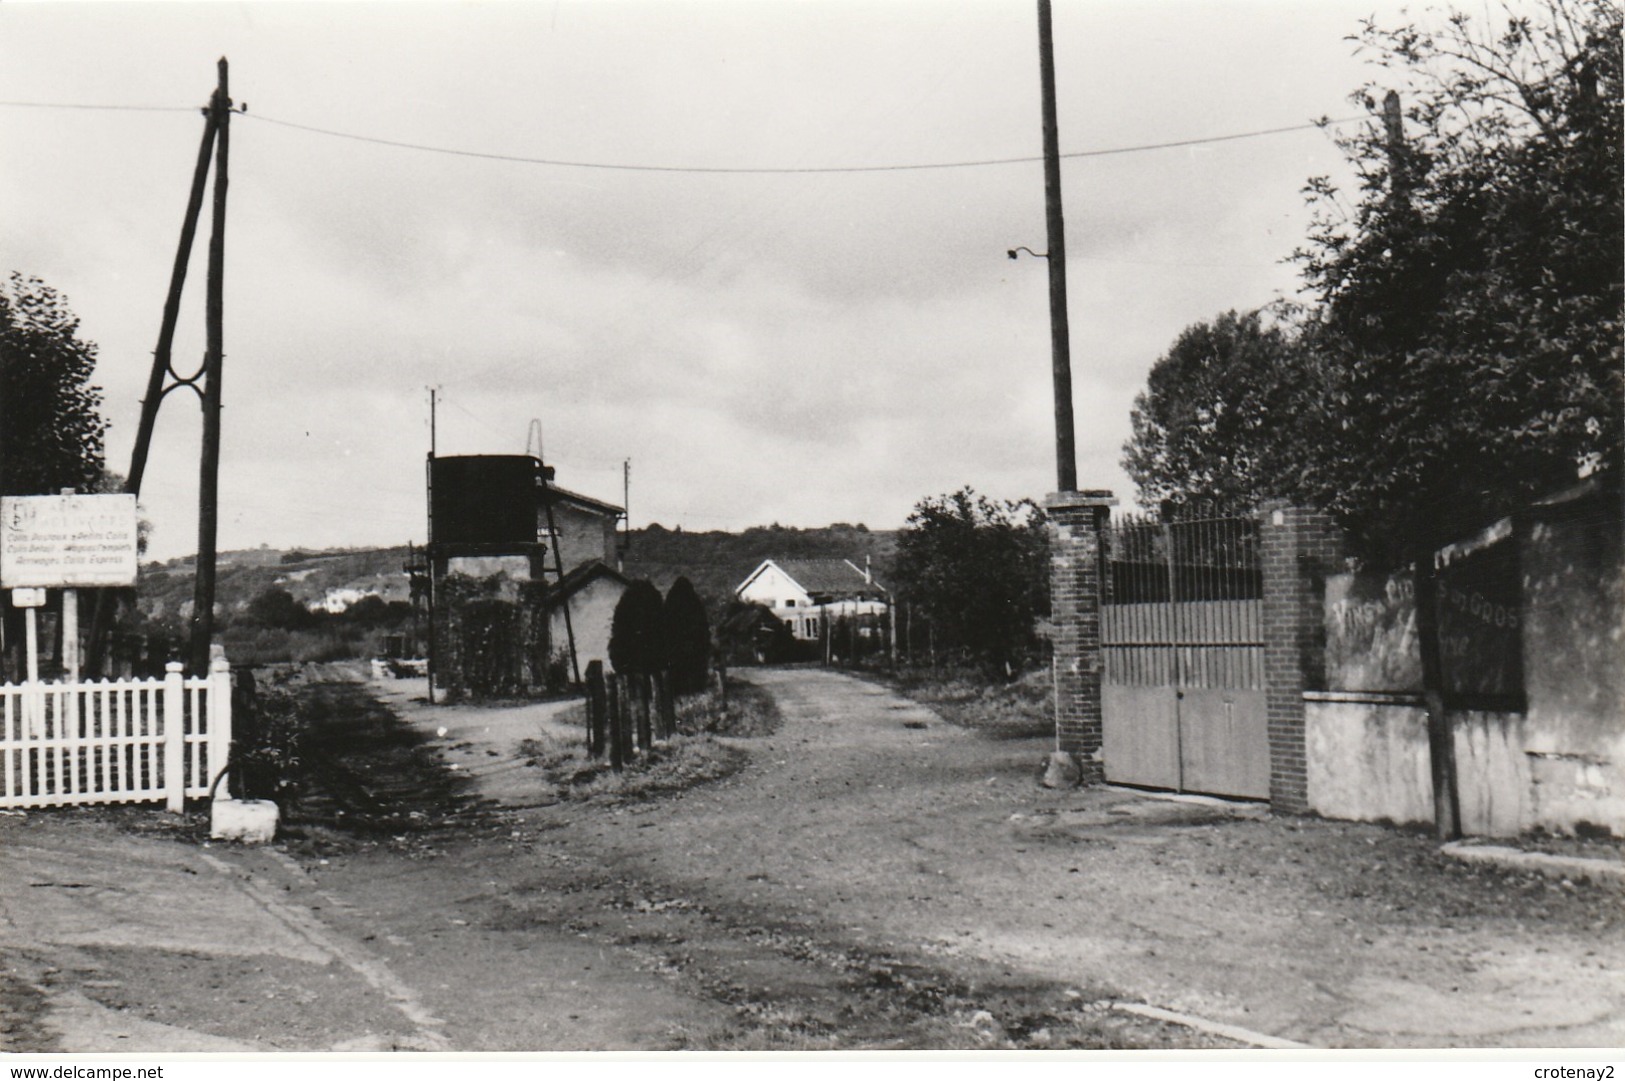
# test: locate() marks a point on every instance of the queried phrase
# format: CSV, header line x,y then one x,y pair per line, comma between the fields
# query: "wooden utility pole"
x,y
558,566
1425,574
202,626
163,369
1066,465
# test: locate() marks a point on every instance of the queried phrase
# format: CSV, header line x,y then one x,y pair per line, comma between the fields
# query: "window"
x,y
791,603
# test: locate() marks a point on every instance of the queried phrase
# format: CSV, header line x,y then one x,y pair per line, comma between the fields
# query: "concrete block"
x,y
251,821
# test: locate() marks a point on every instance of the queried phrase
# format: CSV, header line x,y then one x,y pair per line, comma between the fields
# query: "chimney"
x,y
868,578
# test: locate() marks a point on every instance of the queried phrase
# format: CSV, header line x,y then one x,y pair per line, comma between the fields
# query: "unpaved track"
x,y
874,877
937,840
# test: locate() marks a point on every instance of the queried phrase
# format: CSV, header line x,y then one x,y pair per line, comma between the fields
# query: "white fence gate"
x,y
115,741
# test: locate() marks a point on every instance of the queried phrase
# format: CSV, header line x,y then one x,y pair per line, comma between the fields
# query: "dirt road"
x,y
870,877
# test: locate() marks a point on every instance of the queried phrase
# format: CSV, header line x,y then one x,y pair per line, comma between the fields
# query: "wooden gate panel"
x,y
1140,738
1224,747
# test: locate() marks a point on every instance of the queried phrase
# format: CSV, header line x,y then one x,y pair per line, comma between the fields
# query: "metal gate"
x,y
1182,633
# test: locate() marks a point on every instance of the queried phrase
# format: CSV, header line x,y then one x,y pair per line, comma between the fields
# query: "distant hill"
x,y
309,576
715,562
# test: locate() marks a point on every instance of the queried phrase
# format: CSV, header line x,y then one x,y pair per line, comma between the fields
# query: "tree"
x,y
635,646
1468,317
686,632
50,430
277,609
1462,351
978,571
1209,426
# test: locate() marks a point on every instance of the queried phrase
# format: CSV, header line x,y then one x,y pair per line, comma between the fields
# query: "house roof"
x,y
586,502
579,576
749,618
822,577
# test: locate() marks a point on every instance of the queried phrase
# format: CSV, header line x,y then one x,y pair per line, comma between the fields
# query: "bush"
x,y
686,634
635,640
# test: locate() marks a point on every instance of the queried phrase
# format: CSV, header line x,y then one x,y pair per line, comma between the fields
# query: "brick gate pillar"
x,y
1300,548
1077,524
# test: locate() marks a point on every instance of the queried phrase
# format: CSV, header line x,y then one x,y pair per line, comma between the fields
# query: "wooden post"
x,y
1066,467
617,738
175,737
219,725
36,696
1441,740
597,709
70,634
666,705
202,624
645,735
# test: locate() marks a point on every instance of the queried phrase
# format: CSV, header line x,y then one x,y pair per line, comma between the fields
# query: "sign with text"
x,y
67,541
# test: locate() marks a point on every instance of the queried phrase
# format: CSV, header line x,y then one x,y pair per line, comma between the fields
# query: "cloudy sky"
x,y
800,347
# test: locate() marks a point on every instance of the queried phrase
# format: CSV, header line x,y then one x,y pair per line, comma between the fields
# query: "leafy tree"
x,y
1209,424
278,609
978,571
1469,302
50,430
686,634
635,645
1463,349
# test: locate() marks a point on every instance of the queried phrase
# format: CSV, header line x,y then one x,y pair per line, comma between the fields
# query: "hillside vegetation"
x,y
287,583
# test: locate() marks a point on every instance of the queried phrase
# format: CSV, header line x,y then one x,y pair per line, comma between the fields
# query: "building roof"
x,y
828,578
579,576
585,502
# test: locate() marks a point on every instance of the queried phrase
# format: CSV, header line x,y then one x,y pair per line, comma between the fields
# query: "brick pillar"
x,y
1077,520
1301,547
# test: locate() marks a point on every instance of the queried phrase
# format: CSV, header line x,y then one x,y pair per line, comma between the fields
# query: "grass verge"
x,y
1020,709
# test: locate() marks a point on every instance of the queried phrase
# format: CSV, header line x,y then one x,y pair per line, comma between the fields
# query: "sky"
x,y
793,347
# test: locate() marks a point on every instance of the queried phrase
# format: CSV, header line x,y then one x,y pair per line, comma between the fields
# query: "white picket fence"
x,y
115,741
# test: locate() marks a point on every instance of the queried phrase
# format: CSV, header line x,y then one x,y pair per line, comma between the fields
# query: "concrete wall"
x,y
592,612
1367,758
1370,625
1556,640
1574,667
583,535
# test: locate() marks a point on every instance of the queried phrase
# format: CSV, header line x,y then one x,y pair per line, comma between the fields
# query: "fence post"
x,y
219,714
617,742
665,706
175,736
645,736
597,709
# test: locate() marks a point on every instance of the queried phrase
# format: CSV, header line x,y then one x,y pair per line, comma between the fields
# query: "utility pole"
x,y
163,368
1066,464
214,313
1424,571
431,553
626,514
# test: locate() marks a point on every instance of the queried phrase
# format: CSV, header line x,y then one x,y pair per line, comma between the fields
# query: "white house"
x,y
805,592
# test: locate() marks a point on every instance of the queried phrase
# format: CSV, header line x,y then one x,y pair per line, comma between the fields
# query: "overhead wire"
x,y
744,170
795,170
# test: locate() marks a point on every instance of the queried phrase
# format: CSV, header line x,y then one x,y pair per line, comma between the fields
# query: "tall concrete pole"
x,y
1066,462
